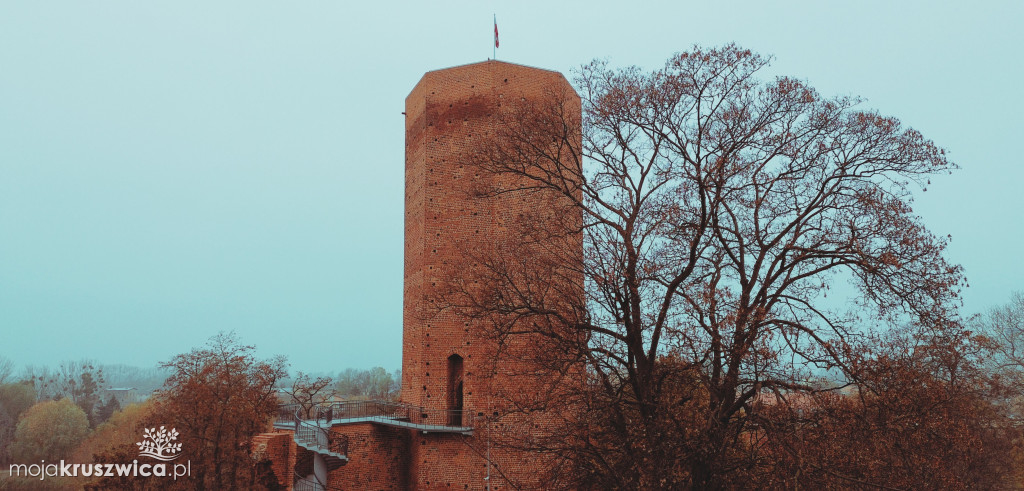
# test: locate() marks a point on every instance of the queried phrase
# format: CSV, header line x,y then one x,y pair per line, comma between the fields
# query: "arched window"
x,y
455,390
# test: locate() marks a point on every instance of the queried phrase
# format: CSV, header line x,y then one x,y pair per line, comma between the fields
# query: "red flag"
x,y
495,32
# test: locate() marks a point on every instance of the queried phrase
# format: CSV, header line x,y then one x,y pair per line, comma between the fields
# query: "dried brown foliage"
x,y
218,398
922,415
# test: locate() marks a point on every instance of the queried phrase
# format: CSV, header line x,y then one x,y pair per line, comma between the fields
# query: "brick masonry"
x,y
279,448
448,113
378,458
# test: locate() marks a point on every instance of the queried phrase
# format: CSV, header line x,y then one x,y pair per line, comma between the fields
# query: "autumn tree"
x,y
922,412
16,398
719,208
49,430
123,428
218,397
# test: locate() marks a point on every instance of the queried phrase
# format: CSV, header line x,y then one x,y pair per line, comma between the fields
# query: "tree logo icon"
x,y
157,444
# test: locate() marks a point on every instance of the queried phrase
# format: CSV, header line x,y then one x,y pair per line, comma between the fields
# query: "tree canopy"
x,y
49,430
743,236
218,397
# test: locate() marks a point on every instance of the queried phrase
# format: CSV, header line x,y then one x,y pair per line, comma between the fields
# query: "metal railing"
x,y
380,411
385,411
308,483
308,430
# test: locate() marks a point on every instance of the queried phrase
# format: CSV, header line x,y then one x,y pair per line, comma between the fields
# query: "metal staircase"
x,y
329,450
332,447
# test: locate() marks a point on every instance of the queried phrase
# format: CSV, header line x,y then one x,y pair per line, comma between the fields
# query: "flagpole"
x,y
494,49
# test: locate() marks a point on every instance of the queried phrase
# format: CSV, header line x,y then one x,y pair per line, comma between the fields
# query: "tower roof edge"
x,y
489,65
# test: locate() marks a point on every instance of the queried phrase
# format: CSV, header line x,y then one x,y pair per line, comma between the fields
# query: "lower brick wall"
x,y
446,462
456,462
378,458
383,458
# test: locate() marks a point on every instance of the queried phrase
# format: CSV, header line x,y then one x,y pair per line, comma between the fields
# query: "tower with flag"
x,y
469,403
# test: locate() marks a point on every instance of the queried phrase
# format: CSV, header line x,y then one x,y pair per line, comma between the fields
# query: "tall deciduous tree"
x,y
719,208
44,382
218,397
15,398
82,382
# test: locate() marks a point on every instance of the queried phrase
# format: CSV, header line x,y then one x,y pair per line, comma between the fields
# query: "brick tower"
x,y
461,395
446,364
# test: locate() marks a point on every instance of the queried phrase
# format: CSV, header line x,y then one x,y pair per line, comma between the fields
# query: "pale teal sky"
x,y
169,171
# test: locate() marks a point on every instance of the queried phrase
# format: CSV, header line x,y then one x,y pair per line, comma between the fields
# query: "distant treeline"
x,y
58,382
350,383
375,383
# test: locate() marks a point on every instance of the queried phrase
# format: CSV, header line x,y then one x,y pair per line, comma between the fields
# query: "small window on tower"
x,y
455,389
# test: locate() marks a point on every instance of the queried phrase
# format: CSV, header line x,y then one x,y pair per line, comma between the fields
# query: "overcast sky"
x,y
169,171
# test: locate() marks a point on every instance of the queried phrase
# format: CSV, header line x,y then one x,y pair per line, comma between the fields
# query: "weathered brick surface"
x,y
279,448
378,458
447,114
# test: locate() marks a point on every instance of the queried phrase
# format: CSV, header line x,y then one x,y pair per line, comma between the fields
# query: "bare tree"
x,y
308,391
1004,325
44,381
6,369
1003,331
83,383
718,211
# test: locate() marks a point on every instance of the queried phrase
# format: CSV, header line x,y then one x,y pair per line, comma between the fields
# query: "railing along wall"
x,y
381,411
308,430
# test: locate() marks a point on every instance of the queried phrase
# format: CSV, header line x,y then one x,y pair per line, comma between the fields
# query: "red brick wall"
x,y
446,462
378,458
279,448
